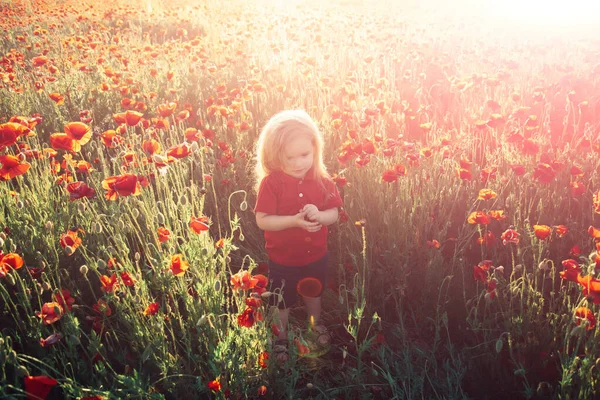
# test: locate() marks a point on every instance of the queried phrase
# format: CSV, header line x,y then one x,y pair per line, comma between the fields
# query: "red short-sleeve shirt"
x,y
281,194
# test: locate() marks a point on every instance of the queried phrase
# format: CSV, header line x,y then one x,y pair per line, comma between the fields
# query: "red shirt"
x,y
281,194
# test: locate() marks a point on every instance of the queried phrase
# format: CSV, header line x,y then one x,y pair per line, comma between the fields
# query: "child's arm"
x,y
325,217
271,222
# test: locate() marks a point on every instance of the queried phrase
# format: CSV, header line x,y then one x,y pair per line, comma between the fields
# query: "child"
x,y
296,202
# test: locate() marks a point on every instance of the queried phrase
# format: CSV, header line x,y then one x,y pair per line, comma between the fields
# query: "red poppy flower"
x,y
152,309
214,385
79,190
544,173
70,239
102,308
127,279
199,224
180,151
389,176
38,387
12,167
253,302
129,117
178,266
464,174
561,230
302,348
163,234
64,299
262,359
518,169
51,312
577,188
121,185
479,274
510,236
109,284
246,318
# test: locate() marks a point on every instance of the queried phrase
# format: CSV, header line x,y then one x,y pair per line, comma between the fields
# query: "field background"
x,y
464,141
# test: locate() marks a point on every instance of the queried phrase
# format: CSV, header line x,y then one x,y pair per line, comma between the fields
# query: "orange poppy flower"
x,y
151,146
12,167
542,232
180,151
486,194
243,280
165,110
178,266
51,312
127,279
121,185
39,61
70,239
109,284
561,230
57,98
10,132
586,316
478,217
163,234
131,118
596,202
111,139
214,385
302,348
498,215
8,262
199,224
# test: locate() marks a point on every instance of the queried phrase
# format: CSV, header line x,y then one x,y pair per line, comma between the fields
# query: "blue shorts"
x,y
307,281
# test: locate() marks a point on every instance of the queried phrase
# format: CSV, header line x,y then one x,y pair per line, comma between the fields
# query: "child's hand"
x,y
312,212
310,226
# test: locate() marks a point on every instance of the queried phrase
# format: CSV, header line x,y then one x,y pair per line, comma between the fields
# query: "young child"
x,y
296,202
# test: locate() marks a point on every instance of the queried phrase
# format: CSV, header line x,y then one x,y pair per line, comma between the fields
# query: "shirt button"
x,y
300,183
301,195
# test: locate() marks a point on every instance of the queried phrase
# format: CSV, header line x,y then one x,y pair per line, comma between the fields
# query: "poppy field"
x,y
464,263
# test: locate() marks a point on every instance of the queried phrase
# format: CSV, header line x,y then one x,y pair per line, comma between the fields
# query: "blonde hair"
x,y
279,130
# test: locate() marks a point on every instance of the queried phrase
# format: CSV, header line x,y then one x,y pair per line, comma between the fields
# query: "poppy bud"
x,y
22,371
83,270
264,295
10,279
20,204
309,385
101,265
1,242
21,157
201,321
244,206
81,207
500,270
217,286
135,213
160,218
183,200
2,235
242,237
68,250
341,299
46,286
194,147
73,340
137,256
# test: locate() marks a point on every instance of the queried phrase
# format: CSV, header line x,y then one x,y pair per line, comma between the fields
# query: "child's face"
x,y
298,156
